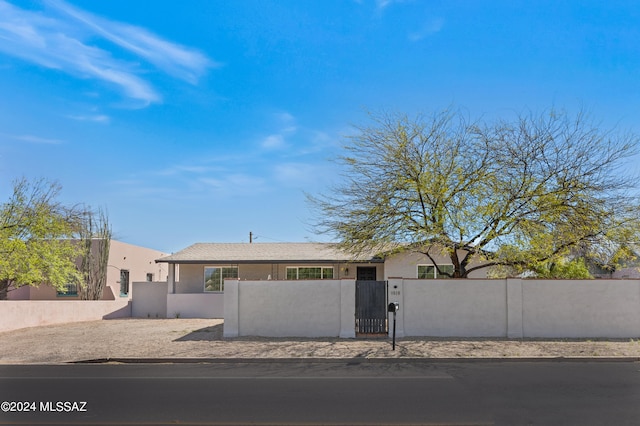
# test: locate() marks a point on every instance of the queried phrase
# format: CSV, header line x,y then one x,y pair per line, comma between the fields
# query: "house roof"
x,y
264,253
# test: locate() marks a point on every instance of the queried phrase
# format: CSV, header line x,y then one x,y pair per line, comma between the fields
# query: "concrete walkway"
x,y
199,339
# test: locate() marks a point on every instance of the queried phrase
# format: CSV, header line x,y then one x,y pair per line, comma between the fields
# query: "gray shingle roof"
x,y
262,253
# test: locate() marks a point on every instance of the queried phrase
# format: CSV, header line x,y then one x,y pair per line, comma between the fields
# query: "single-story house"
x,y
196,274
203,266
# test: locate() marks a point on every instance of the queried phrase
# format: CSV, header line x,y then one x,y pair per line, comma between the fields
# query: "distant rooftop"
x,y
263,253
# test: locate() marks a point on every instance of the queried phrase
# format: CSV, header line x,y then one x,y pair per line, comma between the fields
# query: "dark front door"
x,y
366,273
371,306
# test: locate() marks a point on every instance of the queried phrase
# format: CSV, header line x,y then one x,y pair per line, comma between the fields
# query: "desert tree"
x,y
36,233
512,194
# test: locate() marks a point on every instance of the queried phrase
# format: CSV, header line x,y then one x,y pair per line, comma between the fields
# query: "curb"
x,y
348,361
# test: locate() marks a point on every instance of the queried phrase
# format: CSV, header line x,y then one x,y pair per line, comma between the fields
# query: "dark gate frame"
x,y
371,307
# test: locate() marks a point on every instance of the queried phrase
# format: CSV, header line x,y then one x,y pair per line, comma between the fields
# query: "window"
x,y
214,276
149,276
124,282
430,271
70,290
309,273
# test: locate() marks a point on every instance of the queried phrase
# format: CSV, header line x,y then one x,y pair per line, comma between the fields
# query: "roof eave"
x,y
245,262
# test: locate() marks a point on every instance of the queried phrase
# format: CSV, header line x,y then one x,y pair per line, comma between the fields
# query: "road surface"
x,y
336,392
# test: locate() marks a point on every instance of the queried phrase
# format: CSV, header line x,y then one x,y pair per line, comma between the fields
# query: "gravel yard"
x,y
202,338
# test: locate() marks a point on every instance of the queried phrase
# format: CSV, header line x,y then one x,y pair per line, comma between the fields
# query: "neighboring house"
x,y
628,268
196,275
626,271
127,263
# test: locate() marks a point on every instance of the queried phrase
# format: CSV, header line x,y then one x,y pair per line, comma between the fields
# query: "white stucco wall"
x,y
581,308
149,299
300,308
463,307
517,308
313,308
195,305
513,308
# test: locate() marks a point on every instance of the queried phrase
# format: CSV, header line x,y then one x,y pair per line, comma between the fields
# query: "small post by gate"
x,y
394,307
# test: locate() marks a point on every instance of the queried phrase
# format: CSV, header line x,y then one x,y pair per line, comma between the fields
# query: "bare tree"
x,y
509,193
94,241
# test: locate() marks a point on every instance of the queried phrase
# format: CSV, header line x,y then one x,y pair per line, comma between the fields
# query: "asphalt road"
x,y
336,392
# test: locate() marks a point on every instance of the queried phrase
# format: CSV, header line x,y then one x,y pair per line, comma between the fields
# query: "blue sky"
x,y
204,120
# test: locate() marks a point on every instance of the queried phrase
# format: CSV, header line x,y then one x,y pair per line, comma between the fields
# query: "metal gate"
x,y
371,307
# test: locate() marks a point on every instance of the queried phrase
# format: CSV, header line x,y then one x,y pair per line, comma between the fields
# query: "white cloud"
x,y
287,127
96,118
180,61
293,174
35,139
303,175
228,178
181,169
193,183
285,118
291,157
430,27
287,122
58,42
273,142
235,184
381,4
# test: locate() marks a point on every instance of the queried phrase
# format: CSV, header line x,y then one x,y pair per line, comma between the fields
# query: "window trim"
x,y
204,277
297,268
435,270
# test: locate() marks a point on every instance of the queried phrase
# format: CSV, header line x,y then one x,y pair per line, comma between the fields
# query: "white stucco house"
x,y
316,290
196,275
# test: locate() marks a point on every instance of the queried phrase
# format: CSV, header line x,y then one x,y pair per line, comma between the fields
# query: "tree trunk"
x,y
4,289
459,267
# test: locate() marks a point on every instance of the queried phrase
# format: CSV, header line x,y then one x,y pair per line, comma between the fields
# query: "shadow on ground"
x,y
206,334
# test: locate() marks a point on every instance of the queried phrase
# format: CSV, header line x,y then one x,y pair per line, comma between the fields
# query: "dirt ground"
x,y
202,338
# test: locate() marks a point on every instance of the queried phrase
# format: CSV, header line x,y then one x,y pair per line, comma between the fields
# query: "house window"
x,y
430,271
124,283
149,276
69,290
309,273
214,276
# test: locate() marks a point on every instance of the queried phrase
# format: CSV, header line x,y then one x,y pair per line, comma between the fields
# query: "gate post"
x,y
396,295
347,308
231,326
515,326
